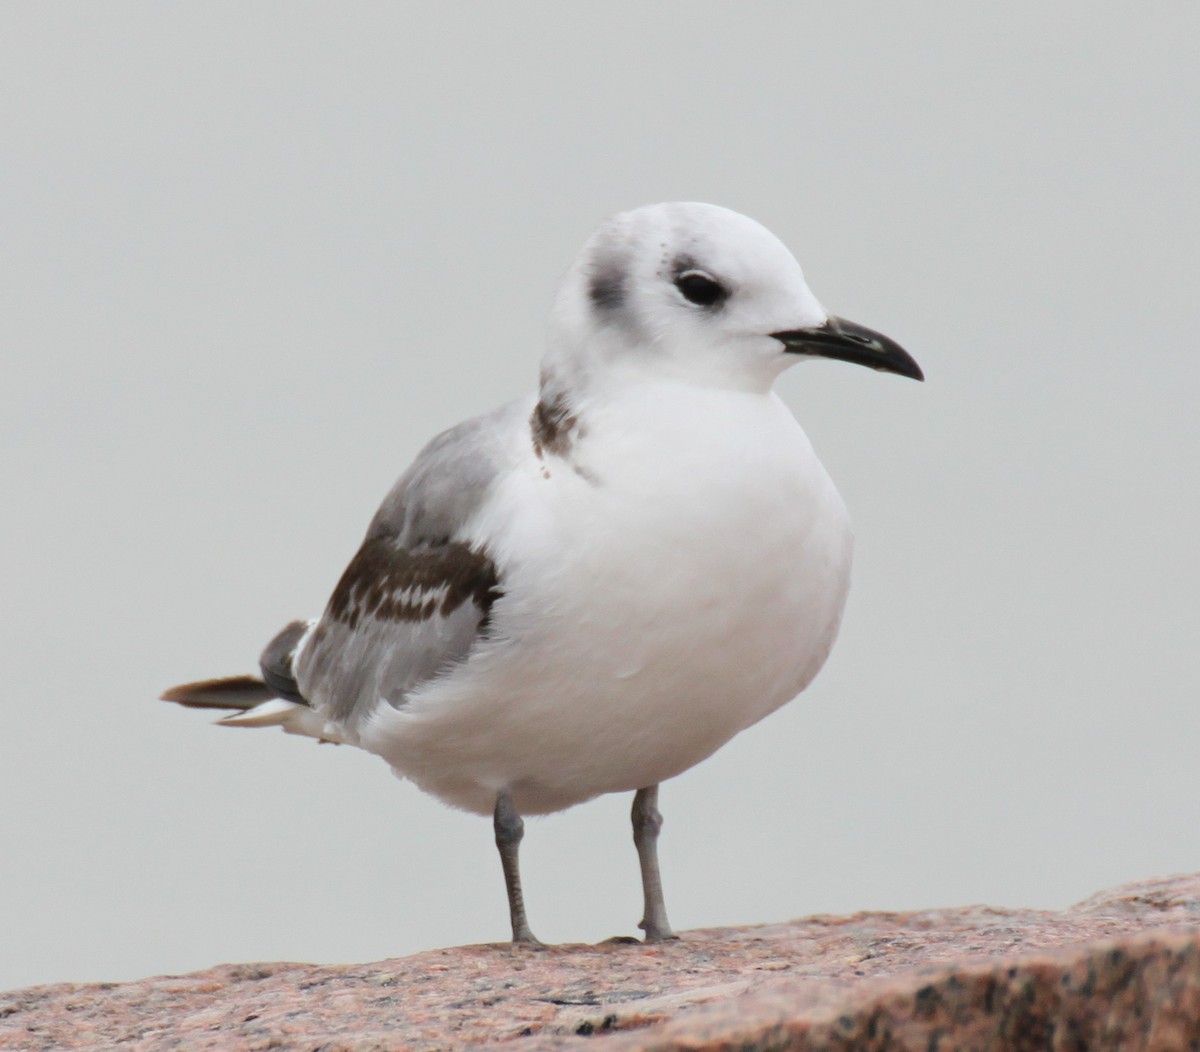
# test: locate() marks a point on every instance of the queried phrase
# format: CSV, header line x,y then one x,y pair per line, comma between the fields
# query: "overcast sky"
x,y
256,254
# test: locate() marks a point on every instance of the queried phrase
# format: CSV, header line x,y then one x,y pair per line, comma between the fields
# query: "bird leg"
x,y
509,831
647,821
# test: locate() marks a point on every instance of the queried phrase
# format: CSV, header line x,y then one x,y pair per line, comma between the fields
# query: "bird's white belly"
x,y
646,619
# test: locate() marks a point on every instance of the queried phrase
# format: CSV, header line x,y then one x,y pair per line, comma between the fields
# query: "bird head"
x,y
700,294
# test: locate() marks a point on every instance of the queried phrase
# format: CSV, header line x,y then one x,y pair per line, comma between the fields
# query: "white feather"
x,y
292,717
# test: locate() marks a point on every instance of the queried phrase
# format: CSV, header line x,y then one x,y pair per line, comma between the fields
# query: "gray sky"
x,y
255,255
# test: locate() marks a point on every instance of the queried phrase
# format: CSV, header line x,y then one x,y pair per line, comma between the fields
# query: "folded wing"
x,y
417,596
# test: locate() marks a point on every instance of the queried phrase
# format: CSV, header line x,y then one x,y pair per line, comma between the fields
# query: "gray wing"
x,y
417,596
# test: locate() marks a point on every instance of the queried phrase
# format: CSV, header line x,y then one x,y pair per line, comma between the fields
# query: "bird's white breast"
x,y
677,576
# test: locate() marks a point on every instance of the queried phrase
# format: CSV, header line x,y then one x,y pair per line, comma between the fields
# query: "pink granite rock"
x,y
1119,971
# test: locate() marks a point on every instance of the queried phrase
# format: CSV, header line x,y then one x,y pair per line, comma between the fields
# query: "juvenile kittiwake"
x,y
593,588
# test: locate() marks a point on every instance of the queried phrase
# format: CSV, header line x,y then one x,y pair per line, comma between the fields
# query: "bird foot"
x,y
658,933
528,940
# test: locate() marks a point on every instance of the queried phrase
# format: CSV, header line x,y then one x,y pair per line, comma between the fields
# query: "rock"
x,y
1119,971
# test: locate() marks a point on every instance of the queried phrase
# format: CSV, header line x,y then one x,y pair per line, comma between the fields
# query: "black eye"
x,y
699,288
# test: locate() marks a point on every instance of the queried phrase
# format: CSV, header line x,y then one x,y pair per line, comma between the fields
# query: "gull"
x,y
591,589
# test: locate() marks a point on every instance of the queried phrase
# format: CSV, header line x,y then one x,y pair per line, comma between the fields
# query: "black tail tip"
x,y
233,692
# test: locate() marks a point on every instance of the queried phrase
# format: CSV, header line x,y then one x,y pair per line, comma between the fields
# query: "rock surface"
x,y
1119,971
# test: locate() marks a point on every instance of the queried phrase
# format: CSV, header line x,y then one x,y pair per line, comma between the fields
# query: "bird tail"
x,y
254,704
235,692
273,701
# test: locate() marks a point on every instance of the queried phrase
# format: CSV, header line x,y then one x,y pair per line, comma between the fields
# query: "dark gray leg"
x,y
646,823
509,831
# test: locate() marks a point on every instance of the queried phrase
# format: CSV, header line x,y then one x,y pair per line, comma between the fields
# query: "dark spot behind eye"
x,y
607,286
700,289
